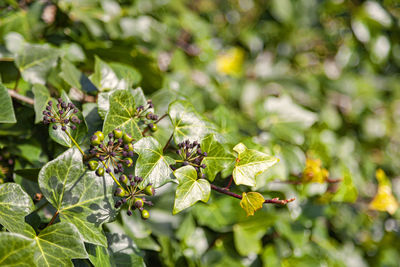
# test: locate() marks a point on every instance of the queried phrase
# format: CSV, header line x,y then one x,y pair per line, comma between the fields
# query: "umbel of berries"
x,y
191,154
115,152
61,113
133,196
146,116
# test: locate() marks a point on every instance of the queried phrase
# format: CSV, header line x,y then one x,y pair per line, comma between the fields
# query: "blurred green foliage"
x,y
294,79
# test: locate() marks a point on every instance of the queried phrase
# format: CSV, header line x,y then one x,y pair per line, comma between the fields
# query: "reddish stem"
x,y
229,183
53,219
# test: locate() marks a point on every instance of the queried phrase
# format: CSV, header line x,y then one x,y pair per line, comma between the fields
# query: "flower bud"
x,y
93,164
100,171
127,138
149,190
138,203
145,214
123,179
117,133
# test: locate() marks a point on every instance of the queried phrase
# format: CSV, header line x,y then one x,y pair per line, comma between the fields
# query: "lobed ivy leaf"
x,y
79,196
190,189
78,134
249,164
152,165
105,78
251,202
122,114
187,123
7,114
56,245
217,158
41,98
15,204
36,61
75,78
121,251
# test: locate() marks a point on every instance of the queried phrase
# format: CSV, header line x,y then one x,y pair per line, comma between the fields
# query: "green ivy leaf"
x,y
79,196
122,114
105,78
121,251
16,250
187,123
152,165
7,114
35,62
251,202
217,158
130,75
190,189
249,164
56,245
79,134
15,204
75,78
42,97
347,192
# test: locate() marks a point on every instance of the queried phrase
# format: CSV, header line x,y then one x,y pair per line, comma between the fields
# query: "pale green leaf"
x,y
347,191
249,164
75,78
7,114
105,78
35,62
81,197
152,165
16,250
15,204
42,97
187,123
190,189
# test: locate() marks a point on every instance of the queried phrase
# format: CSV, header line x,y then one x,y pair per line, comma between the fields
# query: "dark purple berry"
x,y
54,127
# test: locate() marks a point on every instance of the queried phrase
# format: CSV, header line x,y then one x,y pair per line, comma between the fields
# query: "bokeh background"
x,y
300,80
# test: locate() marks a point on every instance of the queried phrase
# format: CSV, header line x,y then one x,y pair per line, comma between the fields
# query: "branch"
x,y
169,140
162,117
19,97
273,201
53,219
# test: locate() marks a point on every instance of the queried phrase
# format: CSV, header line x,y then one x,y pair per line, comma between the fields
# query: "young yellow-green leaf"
x,y
121,251
7,114
249,164
122,114
35,62
217,157
56,245
16,250
384,199
15,204
251,202
80,197
187,123
78,134
347,192
42,97
152,165
190,189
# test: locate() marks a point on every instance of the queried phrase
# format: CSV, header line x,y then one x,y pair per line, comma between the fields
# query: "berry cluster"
x,y
116,152
147,117
130,193
62,113
191,154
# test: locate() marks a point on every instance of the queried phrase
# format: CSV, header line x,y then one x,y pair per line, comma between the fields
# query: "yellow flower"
x,y
230,63
314,173
384,199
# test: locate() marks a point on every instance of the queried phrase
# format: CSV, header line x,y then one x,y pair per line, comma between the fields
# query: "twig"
x,y
22,98
167,144
229,183
273,201
162,117
53,219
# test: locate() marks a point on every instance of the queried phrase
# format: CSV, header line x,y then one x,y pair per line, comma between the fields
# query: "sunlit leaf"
x,y
6,107
251,202
384,199
313,172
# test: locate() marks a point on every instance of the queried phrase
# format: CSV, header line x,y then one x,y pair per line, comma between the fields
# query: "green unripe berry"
x,y
149,190
138,202
123,179
95,140
117,133
127,138
153,127
130,147
120,192
100,135
128,162
100,172
145,214
93,164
